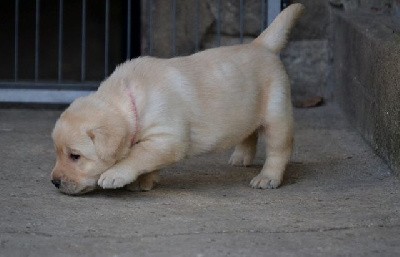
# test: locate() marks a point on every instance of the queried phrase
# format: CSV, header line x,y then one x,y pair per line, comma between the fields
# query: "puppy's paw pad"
x,y
263,182
240,158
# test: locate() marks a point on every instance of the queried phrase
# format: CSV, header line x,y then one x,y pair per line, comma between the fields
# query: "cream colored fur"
x,y
208,101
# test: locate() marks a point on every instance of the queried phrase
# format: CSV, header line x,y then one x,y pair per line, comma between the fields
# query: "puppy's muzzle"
x,y
71,187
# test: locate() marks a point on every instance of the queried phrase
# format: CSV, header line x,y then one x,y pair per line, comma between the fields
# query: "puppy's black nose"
x,y
55,182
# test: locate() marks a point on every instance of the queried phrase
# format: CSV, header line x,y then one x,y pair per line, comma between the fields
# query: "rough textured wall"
x,y
306,57
366,52
159,30
375,6
313,26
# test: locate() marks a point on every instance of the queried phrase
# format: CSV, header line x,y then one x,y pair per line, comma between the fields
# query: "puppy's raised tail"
x,y
276,35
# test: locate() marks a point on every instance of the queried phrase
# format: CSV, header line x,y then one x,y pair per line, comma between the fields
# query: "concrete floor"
x,y
338,199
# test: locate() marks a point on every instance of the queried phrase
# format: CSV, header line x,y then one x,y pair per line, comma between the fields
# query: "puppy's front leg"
x,y
144,157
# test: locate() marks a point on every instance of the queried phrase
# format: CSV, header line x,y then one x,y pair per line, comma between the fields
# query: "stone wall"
x,y
191,26
366,51
202,27
159,30
375,6
306,57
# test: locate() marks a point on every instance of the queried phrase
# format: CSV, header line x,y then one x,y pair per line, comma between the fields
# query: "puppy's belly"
x,y
220,135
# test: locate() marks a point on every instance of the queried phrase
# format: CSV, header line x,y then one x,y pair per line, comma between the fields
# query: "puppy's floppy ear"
x,y
107,142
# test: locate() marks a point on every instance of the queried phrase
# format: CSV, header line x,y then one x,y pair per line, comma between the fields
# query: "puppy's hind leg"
x,y
279,137
279,148
145,182
245,151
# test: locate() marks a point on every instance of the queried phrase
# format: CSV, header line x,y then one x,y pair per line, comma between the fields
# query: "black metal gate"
x,y
55,51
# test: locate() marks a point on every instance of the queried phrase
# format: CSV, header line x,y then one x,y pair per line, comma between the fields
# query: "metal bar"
x,y
219,23
274,7
106,40
173,41
128,30
241,19
37,40
16,39
197,24
83,42
150,27
60,40
263,12
87,85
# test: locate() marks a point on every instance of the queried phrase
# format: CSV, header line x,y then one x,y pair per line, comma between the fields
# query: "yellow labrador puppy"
x,y
153,112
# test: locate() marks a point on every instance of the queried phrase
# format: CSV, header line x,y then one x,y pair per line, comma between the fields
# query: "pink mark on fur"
x,y
135,115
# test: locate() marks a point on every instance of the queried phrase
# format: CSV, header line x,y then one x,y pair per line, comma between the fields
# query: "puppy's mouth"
x,y
81,192
72,188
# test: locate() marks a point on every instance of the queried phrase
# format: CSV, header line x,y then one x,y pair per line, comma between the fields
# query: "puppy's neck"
x,y
135,115
122,97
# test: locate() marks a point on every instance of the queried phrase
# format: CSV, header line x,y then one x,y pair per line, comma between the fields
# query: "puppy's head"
x,y
89,137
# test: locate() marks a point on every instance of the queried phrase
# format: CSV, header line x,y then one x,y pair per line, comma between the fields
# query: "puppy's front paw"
x,y
262,181
115,178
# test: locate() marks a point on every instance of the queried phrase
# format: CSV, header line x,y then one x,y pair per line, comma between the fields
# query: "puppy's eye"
x,y
74,157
